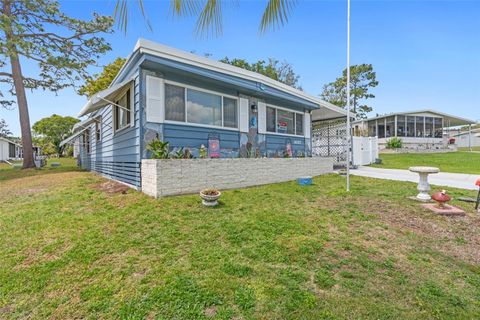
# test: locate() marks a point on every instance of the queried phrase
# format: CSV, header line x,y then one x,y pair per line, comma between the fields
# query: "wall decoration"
x,y
253,121
288,148
214,145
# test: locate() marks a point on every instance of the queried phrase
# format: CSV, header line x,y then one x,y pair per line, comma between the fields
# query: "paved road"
x,y
454,180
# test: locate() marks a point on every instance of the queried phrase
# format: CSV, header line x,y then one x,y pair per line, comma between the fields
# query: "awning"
x,y
78,129
329,111
103,98
83,124
71,138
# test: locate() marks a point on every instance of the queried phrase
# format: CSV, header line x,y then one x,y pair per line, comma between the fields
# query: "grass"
x,y
468,149
66,165
456,162
70,250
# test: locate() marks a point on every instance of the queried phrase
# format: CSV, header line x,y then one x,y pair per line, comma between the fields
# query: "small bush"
x,y
159,149
394,143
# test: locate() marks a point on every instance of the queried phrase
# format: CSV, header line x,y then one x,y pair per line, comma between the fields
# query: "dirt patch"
x,y
458,237
211,311
28,191
112,187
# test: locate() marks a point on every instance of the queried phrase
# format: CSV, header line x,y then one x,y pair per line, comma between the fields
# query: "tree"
x,y
54,130
103,80
280,71
362,78
4,132
209,14
62,47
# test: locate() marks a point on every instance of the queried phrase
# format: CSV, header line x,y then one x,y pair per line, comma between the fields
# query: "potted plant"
x,y
210,197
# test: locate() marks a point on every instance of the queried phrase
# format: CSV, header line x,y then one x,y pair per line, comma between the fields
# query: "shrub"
x,y
394,143
159,149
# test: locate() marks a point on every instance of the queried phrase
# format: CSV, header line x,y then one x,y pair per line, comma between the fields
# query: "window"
x,y
204,108
372,128
299,124
401,126
86,140
200,107
419,122
98,129
11,150
174,103
122,115
438,127
284,122
381,128
428,127
230,115
271,119
410,126
390,127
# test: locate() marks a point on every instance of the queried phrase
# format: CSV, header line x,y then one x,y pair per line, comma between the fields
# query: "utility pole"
x,y
348,97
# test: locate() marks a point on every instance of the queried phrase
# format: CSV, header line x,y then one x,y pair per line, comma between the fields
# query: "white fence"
x,y
365,150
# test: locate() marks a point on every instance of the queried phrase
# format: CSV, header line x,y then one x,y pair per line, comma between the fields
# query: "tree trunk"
x,y
28,161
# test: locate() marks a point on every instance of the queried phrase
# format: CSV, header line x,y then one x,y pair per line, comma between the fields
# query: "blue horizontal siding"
x,y
193,137
116,155
278,143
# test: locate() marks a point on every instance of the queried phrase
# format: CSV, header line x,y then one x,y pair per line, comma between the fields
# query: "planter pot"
x,y
210,200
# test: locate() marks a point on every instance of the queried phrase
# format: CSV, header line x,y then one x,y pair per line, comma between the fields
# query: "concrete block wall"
x,y
186,176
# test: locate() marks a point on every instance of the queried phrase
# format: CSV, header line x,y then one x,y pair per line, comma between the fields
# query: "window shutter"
x,y
307,125
244,115
155,102
262,117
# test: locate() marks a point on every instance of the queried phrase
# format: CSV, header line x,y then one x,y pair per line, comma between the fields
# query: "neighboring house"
x,y
467,139
190,101
422,129
10,150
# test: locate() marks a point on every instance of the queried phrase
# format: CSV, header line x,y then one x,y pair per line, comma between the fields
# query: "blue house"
x,y
190,101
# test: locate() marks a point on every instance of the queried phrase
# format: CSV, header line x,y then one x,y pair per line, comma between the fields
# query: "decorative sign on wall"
x,y
253,121
213,146
289,148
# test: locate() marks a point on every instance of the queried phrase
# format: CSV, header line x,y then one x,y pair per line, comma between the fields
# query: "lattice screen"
x,y
329,139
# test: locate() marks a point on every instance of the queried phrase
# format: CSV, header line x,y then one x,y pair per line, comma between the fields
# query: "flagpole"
x,y
348,96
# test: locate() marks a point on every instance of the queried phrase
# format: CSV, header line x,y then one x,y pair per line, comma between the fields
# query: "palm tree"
x,y
209,13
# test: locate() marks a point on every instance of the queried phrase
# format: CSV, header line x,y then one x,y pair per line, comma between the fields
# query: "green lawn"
x,y
70,250
468,149
458,162
66,164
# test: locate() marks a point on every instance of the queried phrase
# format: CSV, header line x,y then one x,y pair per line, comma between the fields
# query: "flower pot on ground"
x,y
210,197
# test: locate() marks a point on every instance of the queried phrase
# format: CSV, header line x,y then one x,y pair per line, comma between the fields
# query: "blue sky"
x,y
426,53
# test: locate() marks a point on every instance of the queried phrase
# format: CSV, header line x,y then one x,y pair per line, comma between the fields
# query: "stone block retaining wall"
x,y
184,176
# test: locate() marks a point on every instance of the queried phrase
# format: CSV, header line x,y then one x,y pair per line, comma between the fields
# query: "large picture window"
x,y
189,105
122,112
204,108
284,122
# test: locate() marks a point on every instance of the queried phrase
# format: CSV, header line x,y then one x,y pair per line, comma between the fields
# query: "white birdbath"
x,y
423,185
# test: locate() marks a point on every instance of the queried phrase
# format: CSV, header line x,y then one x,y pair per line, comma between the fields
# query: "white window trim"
x,y
294,122
186,87
132,109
